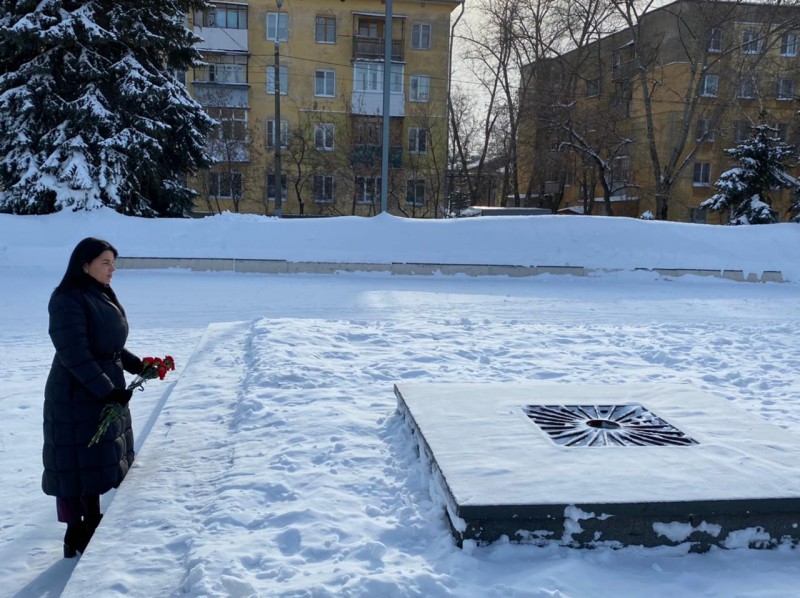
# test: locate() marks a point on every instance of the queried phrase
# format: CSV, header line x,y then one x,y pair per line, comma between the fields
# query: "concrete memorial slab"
x,y
605,465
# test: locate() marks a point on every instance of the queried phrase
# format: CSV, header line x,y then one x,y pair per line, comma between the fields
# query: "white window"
x,y
421,36
752,42
417,140
785,89
621,169
702,174
325,32
709,86
747,87
367,189
283,81
419,88
741,130
325,83
271,133
232,123
369,77
715,41
415,192
223,68
225,184
593,88
323,136
277,26
704,130
789,44
228,16
271,187
323,188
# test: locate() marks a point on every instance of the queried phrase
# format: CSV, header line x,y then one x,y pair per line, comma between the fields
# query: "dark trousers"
x,y
74,509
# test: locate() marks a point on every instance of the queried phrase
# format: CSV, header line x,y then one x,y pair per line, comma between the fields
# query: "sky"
x,y
274,461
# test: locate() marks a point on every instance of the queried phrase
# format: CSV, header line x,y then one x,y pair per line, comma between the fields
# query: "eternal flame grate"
x,y
605,425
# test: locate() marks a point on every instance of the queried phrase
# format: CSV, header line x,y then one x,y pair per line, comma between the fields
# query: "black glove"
x,y
120,396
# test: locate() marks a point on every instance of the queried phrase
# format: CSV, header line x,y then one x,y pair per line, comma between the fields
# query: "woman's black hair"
x,y
84,253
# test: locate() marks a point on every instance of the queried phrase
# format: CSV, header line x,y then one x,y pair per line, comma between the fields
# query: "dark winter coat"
x,y
88,328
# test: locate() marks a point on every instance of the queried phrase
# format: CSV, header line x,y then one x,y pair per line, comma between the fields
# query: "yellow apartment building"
x,y
711,70
330,56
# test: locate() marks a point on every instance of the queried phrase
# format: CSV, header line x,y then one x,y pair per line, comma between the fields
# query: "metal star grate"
x,y
605,425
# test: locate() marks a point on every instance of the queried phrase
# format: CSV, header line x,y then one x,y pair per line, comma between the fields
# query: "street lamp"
x,y
277,127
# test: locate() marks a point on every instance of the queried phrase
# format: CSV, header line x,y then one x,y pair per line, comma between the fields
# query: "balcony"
x,y
369,156
371,48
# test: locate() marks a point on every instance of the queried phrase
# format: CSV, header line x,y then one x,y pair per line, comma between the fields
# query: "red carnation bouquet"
x,y
152,367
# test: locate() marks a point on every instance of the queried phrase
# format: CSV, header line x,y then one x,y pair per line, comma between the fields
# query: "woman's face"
x,y
102,267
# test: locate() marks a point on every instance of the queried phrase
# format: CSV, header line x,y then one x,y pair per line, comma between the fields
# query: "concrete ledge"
x,y
264,266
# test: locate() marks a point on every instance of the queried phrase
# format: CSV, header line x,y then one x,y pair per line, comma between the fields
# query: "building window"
x,y
747,87
325,83
277,26
222,68
419,88
370,28
323,188
368,189
621,169
284,80
741,130
752,42
415,192
789,44
715,41
271,187
785,89
325,32
271,133
782,132
704,130
417,140
699,215
421,36
323,136
709,86
702,174
225,184
368,76
592,87
232,123
227,16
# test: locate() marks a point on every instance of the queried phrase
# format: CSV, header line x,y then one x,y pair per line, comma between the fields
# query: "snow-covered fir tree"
x,y
763,160
91,111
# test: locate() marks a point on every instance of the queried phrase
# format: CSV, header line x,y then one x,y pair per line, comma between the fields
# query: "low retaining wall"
x,y
264,266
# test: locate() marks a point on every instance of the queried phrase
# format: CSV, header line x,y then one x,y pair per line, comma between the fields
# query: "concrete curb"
x,y
263,266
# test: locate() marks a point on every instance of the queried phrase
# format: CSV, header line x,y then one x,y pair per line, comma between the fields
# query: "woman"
x,y
88,329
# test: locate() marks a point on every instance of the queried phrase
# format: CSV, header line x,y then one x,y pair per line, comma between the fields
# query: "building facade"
x,y
649,110
330,58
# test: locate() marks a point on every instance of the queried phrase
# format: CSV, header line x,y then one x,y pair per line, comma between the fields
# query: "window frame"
x,y
269,133
705,133
418,141
326,80
374,76
789,48
362,185
283,74
324,137
271,186
273,31
715,41
747,88
701,177
781,92
421,35
326,25
414,87
325,182
752,42
707,78
413,187
215,183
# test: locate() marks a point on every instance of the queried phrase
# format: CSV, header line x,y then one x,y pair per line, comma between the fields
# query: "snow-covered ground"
x,y
273,462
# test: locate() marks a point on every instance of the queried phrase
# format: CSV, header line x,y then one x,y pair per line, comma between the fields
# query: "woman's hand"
x,y
120,396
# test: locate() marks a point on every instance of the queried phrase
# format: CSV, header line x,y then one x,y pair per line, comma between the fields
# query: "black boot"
x,y
75,540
